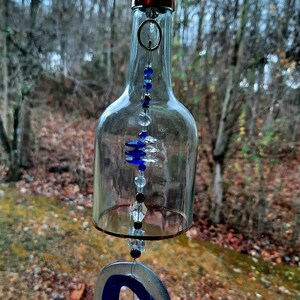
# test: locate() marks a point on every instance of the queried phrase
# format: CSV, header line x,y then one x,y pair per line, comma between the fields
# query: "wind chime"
x,y
145,157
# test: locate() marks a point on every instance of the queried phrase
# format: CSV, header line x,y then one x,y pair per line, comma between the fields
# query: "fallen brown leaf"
x,y
77,294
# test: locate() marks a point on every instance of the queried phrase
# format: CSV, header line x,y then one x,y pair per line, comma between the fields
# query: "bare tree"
x,y
227,116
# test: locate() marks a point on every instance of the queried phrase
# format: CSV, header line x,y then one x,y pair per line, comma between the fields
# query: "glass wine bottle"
x,y
146,141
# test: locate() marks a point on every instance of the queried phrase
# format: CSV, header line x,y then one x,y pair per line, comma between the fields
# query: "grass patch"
x,y
41,231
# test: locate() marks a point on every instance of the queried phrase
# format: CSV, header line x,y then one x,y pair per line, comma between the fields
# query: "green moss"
x,y
43,231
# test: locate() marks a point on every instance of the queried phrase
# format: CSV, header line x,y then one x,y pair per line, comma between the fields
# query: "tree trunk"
x,y
261,209
255,104
218,192
14,169
222,135
296,232
25,135
5,112
4,141
226,121
200,24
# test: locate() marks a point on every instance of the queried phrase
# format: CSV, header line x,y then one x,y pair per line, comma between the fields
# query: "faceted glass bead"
x,y
150,140
150,159
137,225
134,160
136,232
146,103
138,211
135,153
151,149
140,197
136,244
148,71
135,253
143,135
142,167
135,144
140,181
146,99
147,79
148,86
144,119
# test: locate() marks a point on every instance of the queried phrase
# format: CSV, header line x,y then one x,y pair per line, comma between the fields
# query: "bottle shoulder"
x,y
124,112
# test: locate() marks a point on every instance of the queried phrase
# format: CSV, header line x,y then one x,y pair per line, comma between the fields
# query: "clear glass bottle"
x,y
146,141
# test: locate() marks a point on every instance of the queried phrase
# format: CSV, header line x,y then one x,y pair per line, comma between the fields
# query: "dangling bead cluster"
x,y
141,152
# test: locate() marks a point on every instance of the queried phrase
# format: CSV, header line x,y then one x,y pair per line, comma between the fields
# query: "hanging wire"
x,y
132,268
132,274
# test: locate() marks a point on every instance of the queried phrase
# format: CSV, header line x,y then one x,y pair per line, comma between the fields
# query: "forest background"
x,y
235,65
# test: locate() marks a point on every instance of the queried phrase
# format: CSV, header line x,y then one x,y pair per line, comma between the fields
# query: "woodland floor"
x,y
49,251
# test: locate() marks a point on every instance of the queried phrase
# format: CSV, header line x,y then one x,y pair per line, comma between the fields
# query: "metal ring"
x,y
148,47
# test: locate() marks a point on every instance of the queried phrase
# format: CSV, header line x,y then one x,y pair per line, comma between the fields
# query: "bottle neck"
x,y
158,31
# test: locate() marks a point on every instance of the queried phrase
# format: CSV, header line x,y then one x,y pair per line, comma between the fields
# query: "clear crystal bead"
x,y
138,211
136,244
150,140
144,119
140,181
150,149
136,232
150,159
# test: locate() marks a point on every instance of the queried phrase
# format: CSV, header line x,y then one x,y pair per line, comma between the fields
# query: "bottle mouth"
x,y
155,3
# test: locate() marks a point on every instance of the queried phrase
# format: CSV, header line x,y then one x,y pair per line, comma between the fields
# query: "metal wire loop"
x,y
150,46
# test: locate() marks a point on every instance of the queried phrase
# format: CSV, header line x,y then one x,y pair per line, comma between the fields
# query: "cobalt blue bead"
x,y
143,135
146,102
148,86
135,144
148,71
142,167
136,153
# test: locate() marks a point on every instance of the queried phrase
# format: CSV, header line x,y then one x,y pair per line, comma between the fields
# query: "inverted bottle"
x,y
146,141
